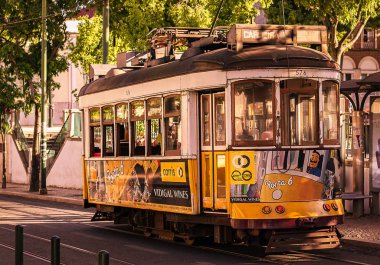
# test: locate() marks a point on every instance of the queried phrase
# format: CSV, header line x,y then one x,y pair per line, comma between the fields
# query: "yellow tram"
x,y
236,140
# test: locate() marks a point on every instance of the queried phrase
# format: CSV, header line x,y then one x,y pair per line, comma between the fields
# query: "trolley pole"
x,y
106,29
358,160
43,144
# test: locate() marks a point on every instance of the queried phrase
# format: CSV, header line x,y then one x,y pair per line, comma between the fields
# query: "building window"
x,y
108,130
173,125
95,133
138,127
347,77
122,130
299,108
330,112
154,111
253,113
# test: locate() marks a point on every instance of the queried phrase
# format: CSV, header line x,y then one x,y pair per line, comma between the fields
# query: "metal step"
x,y
304,239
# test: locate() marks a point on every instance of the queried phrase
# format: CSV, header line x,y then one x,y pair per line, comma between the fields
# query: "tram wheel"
x,y
189,240
148,232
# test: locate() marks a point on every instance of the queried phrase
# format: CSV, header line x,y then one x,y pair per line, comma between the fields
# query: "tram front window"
x,y
330,112
95,133
253,115
299,106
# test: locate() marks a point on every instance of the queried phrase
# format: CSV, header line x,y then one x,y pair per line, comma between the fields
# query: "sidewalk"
x,y
70,196
363,231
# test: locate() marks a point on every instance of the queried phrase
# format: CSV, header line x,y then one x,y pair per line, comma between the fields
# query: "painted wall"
x,y
15,168
67,169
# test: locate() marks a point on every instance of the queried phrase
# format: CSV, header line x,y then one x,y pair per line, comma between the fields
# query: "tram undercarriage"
x,y
217,228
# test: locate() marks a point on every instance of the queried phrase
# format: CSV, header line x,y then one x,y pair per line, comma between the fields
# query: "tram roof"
x,y
269,56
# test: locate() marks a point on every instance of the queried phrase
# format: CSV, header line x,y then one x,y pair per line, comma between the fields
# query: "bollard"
x,y
104,258
19,248
55,250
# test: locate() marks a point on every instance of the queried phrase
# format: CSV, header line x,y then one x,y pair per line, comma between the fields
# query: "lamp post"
x,y
43,143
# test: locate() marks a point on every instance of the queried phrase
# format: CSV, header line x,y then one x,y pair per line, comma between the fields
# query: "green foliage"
x,y
344,19
131,21
88,46
10,98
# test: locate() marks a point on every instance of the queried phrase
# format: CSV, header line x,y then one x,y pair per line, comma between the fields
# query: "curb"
x,y
43,197
361,243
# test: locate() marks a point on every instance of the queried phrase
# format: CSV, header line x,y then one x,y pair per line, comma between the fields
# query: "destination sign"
x,y
265,36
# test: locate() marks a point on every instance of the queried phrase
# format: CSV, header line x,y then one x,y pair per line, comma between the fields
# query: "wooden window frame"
x,y
177,113
149,119
285,138
133,120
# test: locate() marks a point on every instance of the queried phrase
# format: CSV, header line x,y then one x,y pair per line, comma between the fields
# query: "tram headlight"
x,y
326,207
280,209
334,206
277,194
266,210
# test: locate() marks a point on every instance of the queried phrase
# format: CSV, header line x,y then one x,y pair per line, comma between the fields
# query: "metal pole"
x,y
19,248
55,250
43,189
106,30
358,160
216,17
104,258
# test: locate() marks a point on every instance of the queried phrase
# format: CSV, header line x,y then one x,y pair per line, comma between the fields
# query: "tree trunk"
x,y
35,174
4,179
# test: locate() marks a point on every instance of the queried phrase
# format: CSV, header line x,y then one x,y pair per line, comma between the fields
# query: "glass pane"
x,y
96,140
107,113
173,135
330,110
108,133
140,133
94,115
77,124
155,136
138,109
173,105
206,120
207,183
220,120
253,111
123,135
308,119
122,112
221,176
154,107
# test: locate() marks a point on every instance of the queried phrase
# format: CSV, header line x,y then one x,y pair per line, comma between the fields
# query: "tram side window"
x,y
330,112
253,115
173,125
138,127
122,130
300,109
95,133
154,111
108,130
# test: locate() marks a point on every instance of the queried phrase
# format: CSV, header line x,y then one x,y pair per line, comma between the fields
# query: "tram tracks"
x,y
63,215
63,245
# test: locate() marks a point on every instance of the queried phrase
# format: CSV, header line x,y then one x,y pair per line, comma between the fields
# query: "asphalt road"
x,y
81,240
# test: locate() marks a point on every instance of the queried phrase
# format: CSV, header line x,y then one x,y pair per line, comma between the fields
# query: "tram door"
x,y
213,147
